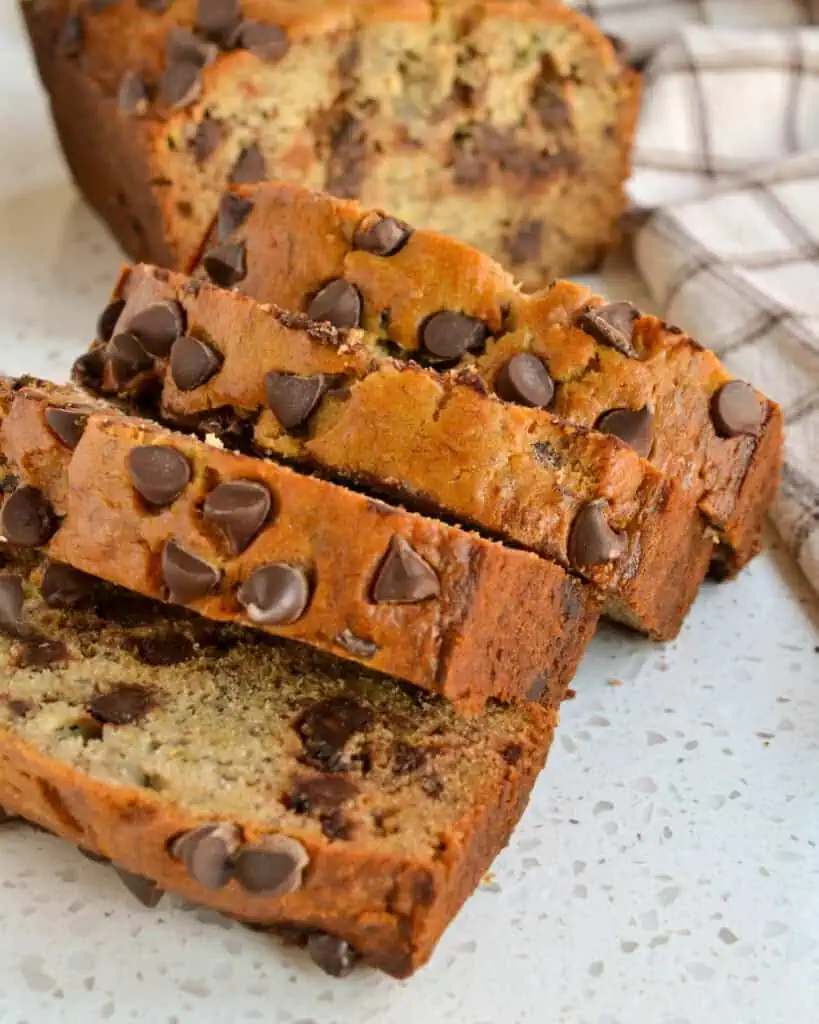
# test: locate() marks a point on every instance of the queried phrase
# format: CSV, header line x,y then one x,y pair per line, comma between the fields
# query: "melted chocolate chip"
x,y
41,652
146,890
320,795
404,576
633,426
158,326
226,265
159,473
205,139
736,409
132,95
381,236
448,335
27,518
335,956
162,649
207,853
67,424
292,398
122,705
65,587
11,605
592,540
275,595
20,709
272,867
107,320
187,576
267,42
181,84
193,363
327,726
612,325
250,166
358,646
240,508
338,303
524,379
233,212
127,358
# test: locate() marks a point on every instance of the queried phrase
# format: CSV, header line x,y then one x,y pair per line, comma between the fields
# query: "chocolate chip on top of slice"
x,y
122,705
240,508
67,424
193,363
338,303
226,265
737,409
70,37
158,326
524,379
276,594
207,852
292,398
132,95
333,955
205,139
11,605
612,325
592,540
218,19
250,166
380,235
187,576
126,358
267,42
181,84
404,577
107,320
233,212
633,426
183,46
448,335
272,867
159,473
146,890
27,518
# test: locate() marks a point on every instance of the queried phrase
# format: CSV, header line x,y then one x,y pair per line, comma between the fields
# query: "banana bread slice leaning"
x,y
254,776
431,297
240,538
334,401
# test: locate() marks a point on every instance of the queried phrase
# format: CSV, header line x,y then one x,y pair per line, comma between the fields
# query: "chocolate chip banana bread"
x,y
505,122
335,401
254,776
590,362
244,539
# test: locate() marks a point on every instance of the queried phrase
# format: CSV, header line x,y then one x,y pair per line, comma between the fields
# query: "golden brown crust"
x,y
505,624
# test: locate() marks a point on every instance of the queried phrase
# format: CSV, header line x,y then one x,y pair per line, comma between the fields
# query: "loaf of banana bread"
x,y
251,775
505,122
590,362
240,538
334,401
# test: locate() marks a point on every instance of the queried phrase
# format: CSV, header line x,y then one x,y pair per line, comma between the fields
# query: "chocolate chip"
x,y
546,454
240,508
327,726
123,705
11,605
88,368
267,42
511,753
181,84
333,955
145,889
64,587
404,577
193,363
250,166
100,5
157,6
233,212
272,867
293,398
320,795
41,652
27,518
537,687
633,426
70,39
275,595
182,46
132,95
107,320
187,576
218,19
449,335
737,409
67,424
525,244
159,473
21,709
158,326
162,649
338,302
127,358
205,139
226,265
347,161
592,540
207,853
433,786
524,379
357,645
612,325
381,236
407,758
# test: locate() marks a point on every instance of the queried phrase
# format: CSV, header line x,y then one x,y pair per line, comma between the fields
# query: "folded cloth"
x,y
725,192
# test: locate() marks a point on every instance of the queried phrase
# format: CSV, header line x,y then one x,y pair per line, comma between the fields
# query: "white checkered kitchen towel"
x,y
726,185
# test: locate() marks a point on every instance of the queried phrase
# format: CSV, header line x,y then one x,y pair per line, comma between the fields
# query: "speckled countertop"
x,y
666,872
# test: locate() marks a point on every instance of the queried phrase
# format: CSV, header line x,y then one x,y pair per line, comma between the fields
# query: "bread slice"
x,y
251,775
336,402
240,538
506,123
609,367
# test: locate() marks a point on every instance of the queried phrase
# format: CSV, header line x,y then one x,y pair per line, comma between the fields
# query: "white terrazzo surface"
x,y
666,872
